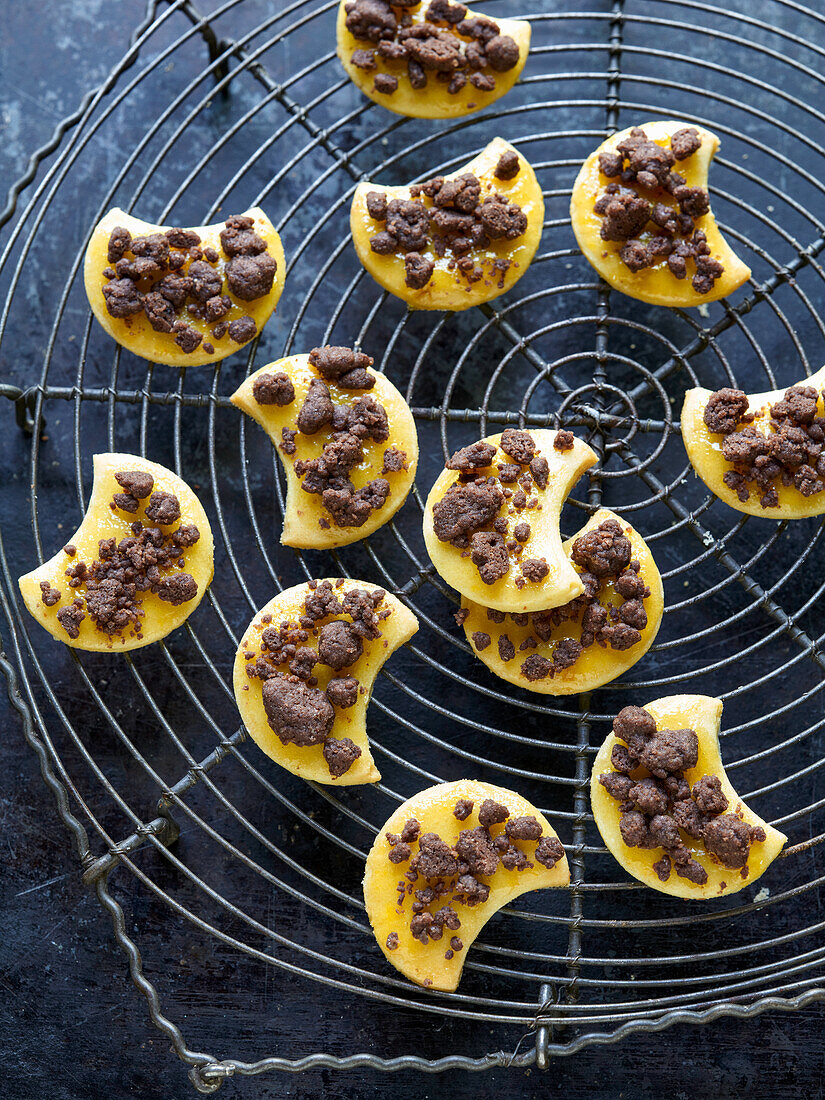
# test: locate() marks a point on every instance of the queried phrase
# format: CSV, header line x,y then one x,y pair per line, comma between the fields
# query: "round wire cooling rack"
x,y
255,875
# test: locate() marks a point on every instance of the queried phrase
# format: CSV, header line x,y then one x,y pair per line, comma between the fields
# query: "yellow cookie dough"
x,y
704,449
701,714
657,284
303,691
434,99
99,613
462,566
505,646
500,261
435,960
275,396
135,332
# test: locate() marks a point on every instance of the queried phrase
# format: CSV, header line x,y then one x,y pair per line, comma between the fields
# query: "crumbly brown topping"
x,y
603,556
467,516
110,589
168,277
450,217
452,873
792,454
508,166
465,509
340,754
273,389
50,596
349,427
647,191
292,652
655,807
446,46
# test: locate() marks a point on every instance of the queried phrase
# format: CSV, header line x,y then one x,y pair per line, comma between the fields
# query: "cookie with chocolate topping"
x,y
491,522
444,863
346,438
665,807
761,453
641,214
437,60
140,561
453,241
181,303
304,671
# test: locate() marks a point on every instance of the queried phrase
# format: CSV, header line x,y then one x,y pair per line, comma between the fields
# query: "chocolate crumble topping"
x,y
655,808
50,596
339,646
465,509
646,191
452,873
163,508
519,445
110,588
395,460
790,454
476,456
450,218
273,389
340,755
603,550
181,588
508,165
70,619
297,714
183,279
242,330
351,426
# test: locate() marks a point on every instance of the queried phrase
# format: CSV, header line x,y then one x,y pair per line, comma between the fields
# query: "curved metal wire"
x,y
559,349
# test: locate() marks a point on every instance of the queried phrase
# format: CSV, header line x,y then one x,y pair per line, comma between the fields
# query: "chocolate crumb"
x,y
492,813
507,166
340,754
163,508
50,596
273,389
463,809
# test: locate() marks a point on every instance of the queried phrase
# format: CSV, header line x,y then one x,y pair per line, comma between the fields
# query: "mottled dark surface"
x,y
71,1024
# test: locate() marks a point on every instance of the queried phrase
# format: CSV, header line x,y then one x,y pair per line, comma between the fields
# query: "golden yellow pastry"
x,y
304,673
136,567
593,639
454,241
641,214
184,297
491,521
346,438
445,862
761,453
429,59
667,810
